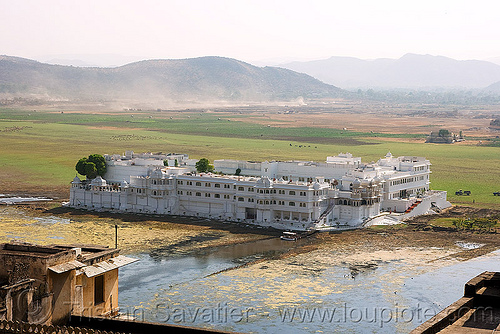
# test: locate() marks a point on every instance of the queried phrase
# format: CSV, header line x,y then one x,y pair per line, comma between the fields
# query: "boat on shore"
x,y
294,236
289,236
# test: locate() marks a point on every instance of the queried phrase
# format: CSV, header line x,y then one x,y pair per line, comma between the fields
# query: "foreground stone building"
x,y
48,284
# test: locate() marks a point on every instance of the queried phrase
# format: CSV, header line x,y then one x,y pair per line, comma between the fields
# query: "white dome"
x,y
76,180
124,184
98,181
316,186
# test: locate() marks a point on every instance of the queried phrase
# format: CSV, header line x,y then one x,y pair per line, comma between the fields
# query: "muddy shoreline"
x,y
165,236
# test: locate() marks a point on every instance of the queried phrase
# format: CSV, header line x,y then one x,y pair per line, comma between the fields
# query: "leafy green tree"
x,y
165,162
80,166
443,133
92,166
176,163
238,171
203,165
99,162
90,170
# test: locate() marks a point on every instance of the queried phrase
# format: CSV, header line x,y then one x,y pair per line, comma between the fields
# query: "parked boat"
x,y
294,236
289,236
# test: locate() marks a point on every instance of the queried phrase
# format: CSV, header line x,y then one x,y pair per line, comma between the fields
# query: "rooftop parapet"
x,y
344,158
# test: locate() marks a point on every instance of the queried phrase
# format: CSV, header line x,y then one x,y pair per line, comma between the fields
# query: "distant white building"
x,y
341,192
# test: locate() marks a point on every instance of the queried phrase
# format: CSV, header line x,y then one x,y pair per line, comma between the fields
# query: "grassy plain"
x,y
38,149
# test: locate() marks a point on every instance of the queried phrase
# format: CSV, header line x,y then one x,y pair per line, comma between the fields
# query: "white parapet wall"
x,y
433,202
341,192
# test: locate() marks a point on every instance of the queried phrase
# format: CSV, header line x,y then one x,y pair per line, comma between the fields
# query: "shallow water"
x,y
295,295
7,199
368,290
468,245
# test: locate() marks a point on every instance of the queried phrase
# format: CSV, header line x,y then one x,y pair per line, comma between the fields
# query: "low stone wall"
x,y
438,198
446,317
473,299
136,327
15,327
94,325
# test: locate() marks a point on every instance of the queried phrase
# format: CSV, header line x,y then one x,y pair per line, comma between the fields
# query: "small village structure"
x,y
67,289
341,192
47,284
444,136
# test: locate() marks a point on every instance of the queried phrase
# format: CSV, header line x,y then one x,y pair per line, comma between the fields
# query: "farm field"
x,y
39,149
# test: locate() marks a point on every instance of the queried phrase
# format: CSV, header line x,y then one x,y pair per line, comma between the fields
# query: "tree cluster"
x,y
203,165
176,163
444,133
92,166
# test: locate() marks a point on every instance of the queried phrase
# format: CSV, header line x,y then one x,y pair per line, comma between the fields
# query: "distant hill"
x,y
493,88
196,79
494,60
69,62
410,71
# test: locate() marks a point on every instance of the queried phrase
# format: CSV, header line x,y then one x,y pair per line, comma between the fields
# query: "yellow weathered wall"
x,y
62,286
88,296
110,294
111,290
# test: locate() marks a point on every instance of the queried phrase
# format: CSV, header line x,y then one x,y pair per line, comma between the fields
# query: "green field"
x,y
41,148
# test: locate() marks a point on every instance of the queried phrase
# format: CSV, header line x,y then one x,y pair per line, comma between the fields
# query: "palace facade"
x,y
340,192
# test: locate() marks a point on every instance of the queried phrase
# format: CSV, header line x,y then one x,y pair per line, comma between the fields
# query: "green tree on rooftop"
x,y
203,165
92,166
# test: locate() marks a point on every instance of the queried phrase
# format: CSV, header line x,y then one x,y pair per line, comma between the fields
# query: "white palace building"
x,y
341,192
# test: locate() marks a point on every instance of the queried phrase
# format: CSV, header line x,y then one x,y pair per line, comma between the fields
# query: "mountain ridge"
x,y
411,71
202,78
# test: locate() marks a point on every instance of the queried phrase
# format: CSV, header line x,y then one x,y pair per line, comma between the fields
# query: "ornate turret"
x,y
98,181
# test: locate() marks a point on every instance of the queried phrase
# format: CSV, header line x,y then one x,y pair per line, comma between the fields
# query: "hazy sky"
x,y
251,30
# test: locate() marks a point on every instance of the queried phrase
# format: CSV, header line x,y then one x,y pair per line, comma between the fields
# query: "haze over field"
x,y
202,79
204,50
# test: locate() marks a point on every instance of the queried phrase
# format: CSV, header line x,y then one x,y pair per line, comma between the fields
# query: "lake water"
x,y
361,291
290,295
7,199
